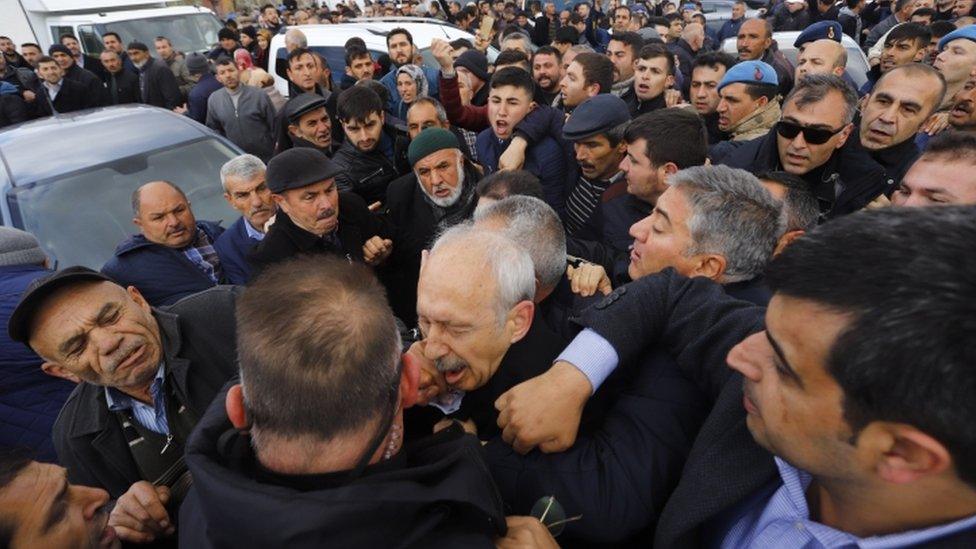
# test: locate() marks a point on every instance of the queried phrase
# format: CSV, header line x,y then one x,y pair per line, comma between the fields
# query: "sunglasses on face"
x,y
813,136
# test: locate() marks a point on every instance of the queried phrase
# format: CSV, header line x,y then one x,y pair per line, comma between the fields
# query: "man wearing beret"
x,y
437,194
314,217
596,130
747,107
307,124
144,378
957,57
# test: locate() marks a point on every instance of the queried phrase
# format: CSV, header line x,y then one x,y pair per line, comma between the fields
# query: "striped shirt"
x,y
783,520
151,417
583,200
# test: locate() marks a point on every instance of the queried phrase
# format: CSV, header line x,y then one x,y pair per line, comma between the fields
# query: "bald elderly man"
x,y
173,256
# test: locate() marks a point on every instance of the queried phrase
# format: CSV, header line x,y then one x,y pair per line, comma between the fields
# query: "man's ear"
x,y
409,380
136,222
234,404
786,240
54,369
137,297
670,168
762,101
711,266
919,55
904,454
592,90
669,82
520,319
844,134
532,105
293,130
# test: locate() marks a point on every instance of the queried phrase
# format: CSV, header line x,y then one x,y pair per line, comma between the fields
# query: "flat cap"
x,y
299,167
598,114
301,104
968,32
831,30
136,45
41,288
430,141
750,72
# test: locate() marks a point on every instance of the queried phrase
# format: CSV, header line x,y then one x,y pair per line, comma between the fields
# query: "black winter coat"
x,y
92,83
368,174
436,492
160,86
126,85
13,110
286,240
71,97
198,340
847,182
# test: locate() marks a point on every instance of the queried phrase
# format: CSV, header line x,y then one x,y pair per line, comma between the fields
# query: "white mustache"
x,y
121,355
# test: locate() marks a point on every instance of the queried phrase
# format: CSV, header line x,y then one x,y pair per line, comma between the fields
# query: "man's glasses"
x,y
813,136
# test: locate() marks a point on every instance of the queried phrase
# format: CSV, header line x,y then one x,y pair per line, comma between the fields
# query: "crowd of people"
x,y
613,285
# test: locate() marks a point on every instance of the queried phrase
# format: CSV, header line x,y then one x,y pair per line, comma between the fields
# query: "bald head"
x,y
821,57
162,213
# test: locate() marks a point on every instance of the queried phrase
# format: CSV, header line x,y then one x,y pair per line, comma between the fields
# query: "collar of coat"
x,y
757,123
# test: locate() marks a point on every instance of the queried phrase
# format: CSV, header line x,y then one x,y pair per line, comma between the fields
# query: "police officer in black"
x,y
314,217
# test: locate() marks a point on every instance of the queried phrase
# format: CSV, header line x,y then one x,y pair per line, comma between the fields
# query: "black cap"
x,y
299,167
301,104
41,288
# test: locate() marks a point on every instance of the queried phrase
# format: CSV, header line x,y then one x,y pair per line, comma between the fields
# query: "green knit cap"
x,y
430,141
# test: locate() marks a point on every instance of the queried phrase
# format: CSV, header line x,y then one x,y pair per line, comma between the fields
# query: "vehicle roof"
x,y
89,137
124,15
87,5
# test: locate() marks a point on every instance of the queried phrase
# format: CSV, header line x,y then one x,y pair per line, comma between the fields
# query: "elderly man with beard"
x,y
314,217
173,256
145,377
245,189
437,194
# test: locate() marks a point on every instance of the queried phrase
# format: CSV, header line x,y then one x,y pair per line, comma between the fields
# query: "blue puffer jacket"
x,y
29,399
163,275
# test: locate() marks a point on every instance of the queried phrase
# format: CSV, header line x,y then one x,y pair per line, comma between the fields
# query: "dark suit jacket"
x,y
160,86
92,83
71,97
198,340
697,324
126,85
232,246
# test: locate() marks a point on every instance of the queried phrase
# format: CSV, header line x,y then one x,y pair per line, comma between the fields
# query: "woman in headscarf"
x,y
257,77
411,84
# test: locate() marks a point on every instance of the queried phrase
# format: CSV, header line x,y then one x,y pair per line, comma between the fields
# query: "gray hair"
x,y
733,215
582,48
521,37
535,226
813,88
295,37
428,100
507,262
245,166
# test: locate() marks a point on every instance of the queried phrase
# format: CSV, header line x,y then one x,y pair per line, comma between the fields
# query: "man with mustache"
x,y
755,43
306,122
314,217
596,130
439,193
891,115
145,377
747,107
962,116
245,189
547,72
173,256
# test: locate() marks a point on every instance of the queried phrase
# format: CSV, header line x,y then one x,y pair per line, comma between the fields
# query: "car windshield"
x,y
80,217
188,33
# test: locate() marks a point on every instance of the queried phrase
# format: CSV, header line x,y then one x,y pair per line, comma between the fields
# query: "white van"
x,y
189,28
329,41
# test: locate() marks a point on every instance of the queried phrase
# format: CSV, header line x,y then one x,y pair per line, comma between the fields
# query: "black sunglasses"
x,y
814,136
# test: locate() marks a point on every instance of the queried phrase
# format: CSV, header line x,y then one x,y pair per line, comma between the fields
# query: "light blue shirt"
x,y
783,520
593,355
253,233
151,417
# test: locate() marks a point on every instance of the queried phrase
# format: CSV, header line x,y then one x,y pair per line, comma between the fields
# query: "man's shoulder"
x,y
214,300
232,233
